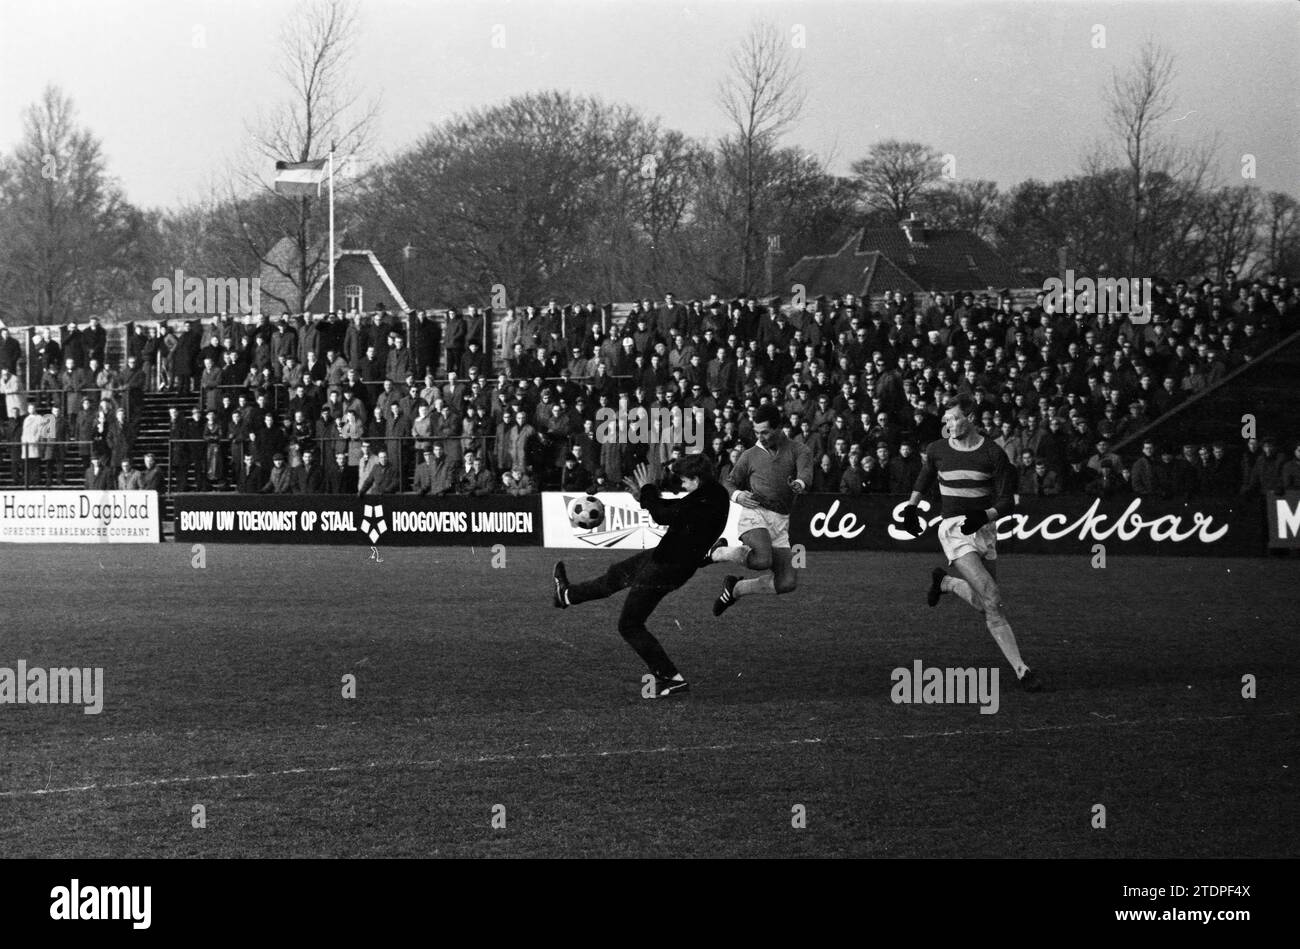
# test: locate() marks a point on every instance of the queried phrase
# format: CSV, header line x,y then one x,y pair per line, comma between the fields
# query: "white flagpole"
x,y
331,230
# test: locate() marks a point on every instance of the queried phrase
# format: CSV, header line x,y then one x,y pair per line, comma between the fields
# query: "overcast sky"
x,y
1012,90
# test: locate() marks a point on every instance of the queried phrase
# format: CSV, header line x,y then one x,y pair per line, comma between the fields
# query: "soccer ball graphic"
x,y
586,513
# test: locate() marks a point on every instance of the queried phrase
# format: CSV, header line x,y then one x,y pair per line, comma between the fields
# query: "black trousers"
x,y
647,583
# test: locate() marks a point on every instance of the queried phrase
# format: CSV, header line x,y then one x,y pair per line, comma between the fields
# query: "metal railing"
x,y
405,453
278,393
42,463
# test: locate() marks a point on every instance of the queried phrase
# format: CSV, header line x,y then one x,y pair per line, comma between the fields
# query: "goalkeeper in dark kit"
x,y
694,522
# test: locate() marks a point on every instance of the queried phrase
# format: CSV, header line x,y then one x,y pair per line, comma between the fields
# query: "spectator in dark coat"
x,y
454,332
427,343
271,440
1143,475
518,483
74,347
1185,476
183,360
382,477
875,477
134,382
851,482
11,353
194,450
904,469
824,477
279,478
95,339
1266,473
1106,483
1162,474
1040,482
434,477
151,475
337,475
474,479
98,477
575,476
399,362
309,477
74,381
1291,471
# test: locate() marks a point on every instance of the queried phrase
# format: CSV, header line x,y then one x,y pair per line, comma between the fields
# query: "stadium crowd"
x,y
373,403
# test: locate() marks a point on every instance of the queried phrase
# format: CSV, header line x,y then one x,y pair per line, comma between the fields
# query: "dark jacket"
x,y
278,481
335,481
382,479
434,479
151,479
308,480
694,522
251,479
98,481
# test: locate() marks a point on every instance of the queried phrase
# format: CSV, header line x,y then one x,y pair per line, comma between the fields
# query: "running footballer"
x,y
764,482
976,484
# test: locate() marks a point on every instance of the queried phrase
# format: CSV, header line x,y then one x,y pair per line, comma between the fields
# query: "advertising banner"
x,y
1283,520
1071,525
627,525
79,517
394,520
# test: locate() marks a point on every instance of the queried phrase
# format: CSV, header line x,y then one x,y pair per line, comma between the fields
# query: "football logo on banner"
x,y
380,525
623,519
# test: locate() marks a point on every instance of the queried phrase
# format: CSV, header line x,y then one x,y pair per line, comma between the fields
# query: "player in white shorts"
x,y
976,482
764,482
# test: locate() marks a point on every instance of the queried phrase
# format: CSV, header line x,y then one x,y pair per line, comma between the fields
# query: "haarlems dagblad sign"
x,y
79,517
1061,525
394,520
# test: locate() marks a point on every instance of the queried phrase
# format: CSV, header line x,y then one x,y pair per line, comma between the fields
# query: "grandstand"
x,y
1263,384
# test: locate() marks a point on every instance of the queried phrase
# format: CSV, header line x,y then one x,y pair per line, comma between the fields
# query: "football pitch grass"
x,y
223,688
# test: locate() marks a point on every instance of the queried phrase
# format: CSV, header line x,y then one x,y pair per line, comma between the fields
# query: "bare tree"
x,y
762,97
1138,101
323,112
1281,232
70,244
971,205
894,175
1164,178
1231,229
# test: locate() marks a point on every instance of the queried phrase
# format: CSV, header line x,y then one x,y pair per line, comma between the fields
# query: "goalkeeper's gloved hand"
x,y
912,522
974,522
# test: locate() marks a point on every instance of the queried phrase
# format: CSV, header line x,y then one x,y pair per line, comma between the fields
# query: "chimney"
x,y
914,228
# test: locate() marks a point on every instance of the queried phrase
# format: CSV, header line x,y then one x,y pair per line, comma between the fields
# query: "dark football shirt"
x,y
969,481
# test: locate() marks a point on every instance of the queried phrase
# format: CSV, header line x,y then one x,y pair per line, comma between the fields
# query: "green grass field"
x,y
223,688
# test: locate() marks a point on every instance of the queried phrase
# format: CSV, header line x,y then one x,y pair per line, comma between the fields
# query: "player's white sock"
x,y
1006,641
959,587
763,584
738,555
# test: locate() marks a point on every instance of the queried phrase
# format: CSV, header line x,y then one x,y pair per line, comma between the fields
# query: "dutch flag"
x,y
296,179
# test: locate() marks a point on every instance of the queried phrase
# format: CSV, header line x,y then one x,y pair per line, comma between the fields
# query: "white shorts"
x,y
983,542
758,518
